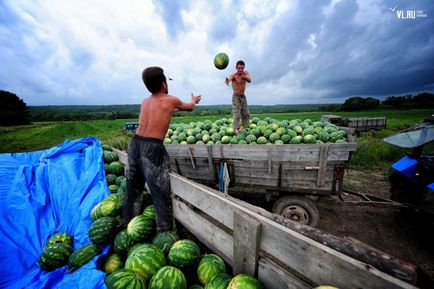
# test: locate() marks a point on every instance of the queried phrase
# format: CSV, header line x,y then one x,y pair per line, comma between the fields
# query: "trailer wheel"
x,y
298,209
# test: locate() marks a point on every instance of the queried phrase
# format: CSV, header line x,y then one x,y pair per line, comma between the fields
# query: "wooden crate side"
x,y
317,262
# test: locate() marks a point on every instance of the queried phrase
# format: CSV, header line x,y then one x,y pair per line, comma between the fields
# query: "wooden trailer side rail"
x,y
280,253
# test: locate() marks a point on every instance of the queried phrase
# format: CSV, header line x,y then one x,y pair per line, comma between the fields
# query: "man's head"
x,y
154,79
240,66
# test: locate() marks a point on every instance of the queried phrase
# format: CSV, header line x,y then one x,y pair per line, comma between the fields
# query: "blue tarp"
x,y
43,193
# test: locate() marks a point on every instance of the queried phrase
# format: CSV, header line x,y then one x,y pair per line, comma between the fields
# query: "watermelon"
x,y
191,139
111,178
113,263
226,139
103,230
168,277
261,140
140,228
196,286
125,279
54,256
107,208
106,147
116,168
167,140
250,138
145,259
82,256
221,60
244,281
113,189
63,238
149,211
110,157
165,240
119,180
219,281
122,242
274,136
209,266
184,253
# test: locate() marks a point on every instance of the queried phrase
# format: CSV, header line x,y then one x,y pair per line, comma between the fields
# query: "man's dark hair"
x,y
153,77
240,62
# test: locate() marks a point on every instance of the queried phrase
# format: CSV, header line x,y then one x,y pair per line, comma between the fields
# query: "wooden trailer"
x,y
292,176
282,254
357,124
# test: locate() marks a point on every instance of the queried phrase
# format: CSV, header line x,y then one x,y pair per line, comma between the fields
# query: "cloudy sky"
x,y
56,52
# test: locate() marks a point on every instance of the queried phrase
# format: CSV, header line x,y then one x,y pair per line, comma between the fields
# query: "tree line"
x,y
14,111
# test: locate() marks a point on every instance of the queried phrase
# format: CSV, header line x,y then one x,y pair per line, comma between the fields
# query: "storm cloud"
x,y
92,52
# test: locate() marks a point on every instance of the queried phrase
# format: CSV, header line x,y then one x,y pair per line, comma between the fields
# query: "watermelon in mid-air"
x,y
221,60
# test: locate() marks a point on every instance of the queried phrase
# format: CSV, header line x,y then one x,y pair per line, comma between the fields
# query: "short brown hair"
x,y
240,62
153,77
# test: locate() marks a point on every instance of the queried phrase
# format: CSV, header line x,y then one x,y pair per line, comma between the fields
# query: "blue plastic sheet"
x,y
43,193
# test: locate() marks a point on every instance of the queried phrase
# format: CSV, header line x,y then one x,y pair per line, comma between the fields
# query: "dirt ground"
x,y
387,229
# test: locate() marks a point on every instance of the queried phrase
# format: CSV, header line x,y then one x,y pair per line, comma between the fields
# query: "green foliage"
x,y
359,103
13,110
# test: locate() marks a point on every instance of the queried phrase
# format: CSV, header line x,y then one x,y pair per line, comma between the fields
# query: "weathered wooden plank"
x,y
323,155
317,262
246,235
288,152
275,277
212,236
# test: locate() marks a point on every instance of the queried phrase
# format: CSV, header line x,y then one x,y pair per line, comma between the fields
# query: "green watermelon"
x,y
244,281
113,189
111,178
122,242
140,228
106,147
195,286
165,240
221,60
110,157
103,230
209,266
167,140
261,140
82,256
116,168
168,277
54,256
184,253
107,208
119,180
63,238
149,211
219,281
113,263
125,279
145,259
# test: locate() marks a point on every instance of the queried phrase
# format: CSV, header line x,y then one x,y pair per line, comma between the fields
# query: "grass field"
x,y
371,152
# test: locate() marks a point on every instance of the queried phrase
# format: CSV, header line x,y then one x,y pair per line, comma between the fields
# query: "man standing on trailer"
x,y
148,161
239,100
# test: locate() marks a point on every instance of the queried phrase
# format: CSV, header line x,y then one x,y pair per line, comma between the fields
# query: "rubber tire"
x,y
307,205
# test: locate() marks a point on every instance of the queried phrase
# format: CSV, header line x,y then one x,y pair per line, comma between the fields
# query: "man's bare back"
x,y
156,113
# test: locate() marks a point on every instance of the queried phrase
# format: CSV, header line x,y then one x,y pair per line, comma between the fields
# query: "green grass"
x,y
372,153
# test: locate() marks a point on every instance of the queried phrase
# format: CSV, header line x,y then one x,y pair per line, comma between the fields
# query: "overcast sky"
x,y
57,52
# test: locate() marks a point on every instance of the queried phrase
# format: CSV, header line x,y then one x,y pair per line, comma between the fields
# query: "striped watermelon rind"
x,y
124,278
165,240
54,256
242,281
168,277
116,168
63,238
219,281
209,266
103,230
110,157
149,211
184,253
140,228
122,242
145,259
82,256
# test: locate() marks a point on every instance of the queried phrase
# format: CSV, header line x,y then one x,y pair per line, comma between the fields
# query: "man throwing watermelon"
x,y
148,161
239,101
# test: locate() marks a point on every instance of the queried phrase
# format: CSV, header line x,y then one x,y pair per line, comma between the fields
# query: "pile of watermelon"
x,y
139,257
266,131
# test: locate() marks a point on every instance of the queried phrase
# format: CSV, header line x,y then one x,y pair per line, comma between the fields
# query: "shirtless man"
x,y
148,161
239,101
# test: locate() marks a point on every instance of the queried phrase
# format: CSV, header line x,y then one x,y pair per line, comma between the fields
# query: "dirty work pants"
x,y
239,107
148,162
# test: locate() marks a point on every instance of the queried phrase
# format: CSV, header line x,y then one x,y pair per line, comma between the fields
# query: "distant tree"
x,y
359,103
13,110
